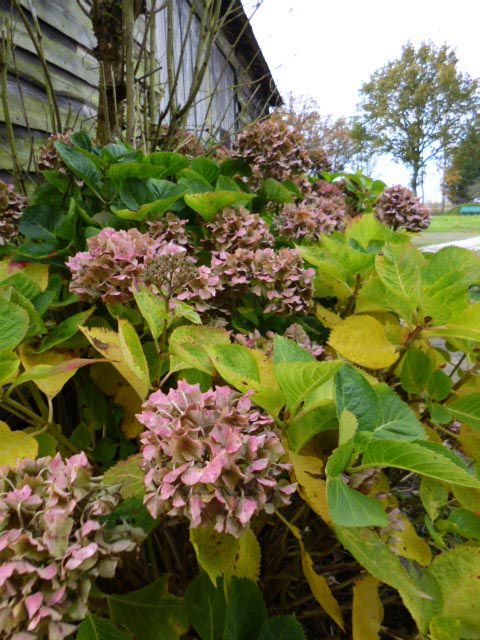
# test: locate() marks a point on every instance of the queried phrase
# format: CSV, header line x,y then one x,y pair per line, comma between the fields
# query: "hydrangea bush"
x,y
225,371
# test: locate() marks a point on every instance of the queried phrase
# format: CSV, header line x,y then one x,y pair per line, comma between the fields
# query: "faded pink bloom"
x,y
277,277
238,229
113,263
12,205
211,457
399,208
53,545
170,228
295,332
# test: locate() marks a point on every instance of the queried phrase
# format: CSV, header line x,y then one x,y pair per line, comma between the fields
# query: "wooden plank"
x,y
24,149
29,68
67,17
36,108
75,60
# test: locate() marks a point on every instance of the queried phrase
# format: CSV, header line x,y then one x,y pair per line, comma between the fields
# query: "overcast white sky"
x,y
327,49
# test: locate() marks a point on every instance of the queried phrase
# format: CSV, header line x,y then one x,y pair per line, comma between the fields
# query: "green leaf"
x,y
153,309
416,370
151,613
285,350
170,161
466,409
339,459
397,420
9,364
350,508
210,203
434,496
467,524
207,168
439,385
128,475
419,457
298,380
445,628
139,170
399,270
36,324
353,392
274,191
65,330
282,628
14,323
206,607
80,165
234,166
188,347
170,194
419,594
236,364
246,611
96,628
456,572
303,428
463,326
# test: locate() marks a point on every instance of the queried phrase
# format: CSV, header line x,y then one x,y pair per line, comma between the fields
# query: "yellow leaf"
x,y
107,378
308,470
327,317
133,352
247,560
127,398
108,343
367,613
15,445
36,272
320,589
52,384
216,552
363,340
128,475
408,544
470,443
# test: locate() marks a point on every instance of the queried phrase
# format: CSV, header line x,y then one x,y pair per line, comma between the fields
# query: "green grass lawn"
x,y
454,223
447,228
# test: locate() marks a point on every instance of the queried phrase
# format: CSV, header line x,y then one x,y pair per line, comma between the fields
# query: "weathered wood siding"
x,y
68,42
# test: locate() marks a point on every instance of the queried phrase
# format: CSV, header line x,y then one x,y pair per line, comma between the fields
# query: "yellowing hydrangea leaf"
x,y
367,612
128,399
408,544
108,343
320,589
327,317
46,370
456,572
363,341
128,475
247,560
445,628
216,552
133,353
15,445
308,470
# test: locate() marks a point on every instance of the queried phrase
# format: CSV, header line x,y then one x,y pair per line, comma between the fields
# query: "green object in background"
x,y
470,210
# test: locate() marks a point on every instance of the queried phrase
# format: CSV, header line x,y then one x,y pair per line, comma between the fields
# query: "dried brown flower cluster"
x,y
399,208
12,205
49,158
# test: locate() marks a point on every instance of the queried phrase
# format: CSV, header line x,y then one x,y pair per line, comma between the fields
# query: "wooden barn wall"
x,y
68,41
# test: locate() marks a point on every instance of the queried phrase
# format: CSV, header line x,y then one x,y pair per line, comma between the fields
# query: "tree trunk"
x,y
107,24
128,25
415,178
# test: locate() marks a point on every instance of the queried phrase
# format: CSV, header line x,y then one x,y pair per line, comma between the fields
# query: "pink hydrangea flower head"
x,y
170,228
399,208
211,457
277,277
238,229
113,263
53,544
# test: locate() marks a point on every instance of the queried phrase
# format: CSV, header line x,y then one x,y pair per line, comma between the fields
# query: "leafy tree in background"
x,y
418,106
332,136
462,180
